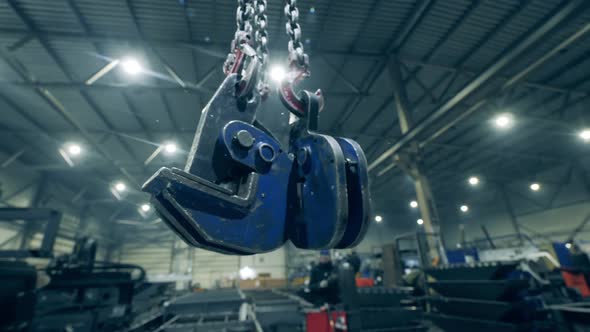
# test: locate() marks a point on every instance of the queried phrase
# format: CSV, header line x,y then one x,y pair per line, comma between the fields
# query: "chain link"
x,y
261,22
261,34
297,54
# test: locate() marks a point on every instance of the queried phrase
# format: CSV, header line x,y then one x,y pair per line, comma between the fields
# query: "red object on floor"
x,y
576,280
364,282
324,321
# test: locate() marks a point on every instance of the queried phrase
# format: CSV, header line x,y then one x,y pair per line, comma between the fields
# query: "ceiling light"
x,y
413,204
464,208
535,186
120,186
170,148
145,207
74,149
278,74
585,135
504,120
419,221
474,180
378,219
131,66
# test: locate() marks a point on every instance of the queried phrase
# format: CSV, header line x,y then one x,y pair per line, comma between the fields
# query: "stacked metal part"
x,y
482,297
388,309
277,311
214,310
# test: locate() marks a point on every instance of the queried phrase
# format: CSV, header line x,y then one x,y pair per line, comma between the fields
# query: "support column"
x,y
409,163
511,213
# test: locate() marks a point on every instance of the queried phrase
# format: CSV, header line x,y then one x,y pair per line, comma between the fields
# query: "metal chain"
x,y
261,34
261,22
297,54
244,15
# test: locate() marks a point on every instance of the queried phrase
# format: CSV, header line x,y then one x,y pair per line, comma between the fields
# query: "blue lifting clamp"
x,y
243,193
231,196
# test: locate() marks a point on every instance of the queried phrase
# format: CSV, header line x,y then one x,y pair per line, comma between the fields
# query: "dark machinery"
x,y
242,192
35,217
366,309
211,311
78,294
491,296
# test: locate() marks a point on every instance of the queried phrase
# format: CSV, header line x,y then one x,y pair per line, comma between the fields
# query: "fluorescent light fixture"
x,y
278,74
419,221
464,208
73,149
474,180
170,148
413,204
378,219
131,66
535,186
504,120
120,186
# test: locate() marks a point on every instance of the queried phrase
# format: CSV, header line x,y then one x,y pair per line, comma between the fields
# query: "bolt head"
x,y
244,139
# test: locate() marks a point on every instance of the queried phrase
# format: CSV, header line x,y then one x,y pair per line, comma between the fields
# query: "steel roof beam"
x,y
54,102
502,62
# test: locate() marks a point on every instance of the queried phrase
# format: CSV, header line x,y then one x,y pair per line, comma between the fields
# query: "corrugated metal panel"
x,y
434,27
9,237
568,73
52,15
383,25
110,17
62,246
511,31
475,27
211,269
161,18
39,63
154,258
7,17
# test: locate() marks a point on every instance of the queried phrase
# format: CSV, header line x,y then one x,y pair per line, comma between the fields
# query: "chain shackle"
x,y
244,16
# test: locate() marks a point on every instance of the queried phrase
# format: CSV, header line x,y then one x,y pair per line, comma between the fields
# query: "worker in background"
x,y
323,281
355,261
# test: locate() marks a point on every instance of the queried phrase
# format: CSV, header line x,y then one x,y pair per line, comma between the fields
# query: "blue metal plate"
x,y
359,200
246,218
320,219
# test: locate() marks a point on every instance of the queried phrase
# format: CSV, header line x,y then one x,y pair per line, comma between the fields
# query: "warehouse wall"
x,y
154,258
169,255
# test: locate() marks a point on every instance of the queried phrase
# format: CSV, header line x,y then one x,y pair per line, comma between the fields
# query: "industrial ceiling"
x,y
461,63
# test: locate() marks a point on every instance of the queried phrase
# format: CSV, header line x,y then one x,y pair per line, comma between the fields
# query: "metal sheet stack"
x,y
489,296
388,309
